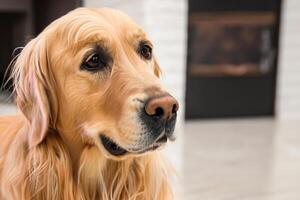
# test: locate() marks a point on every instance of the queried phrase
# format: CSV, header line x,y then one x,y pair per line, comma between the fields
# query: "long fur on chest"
x,y
45,172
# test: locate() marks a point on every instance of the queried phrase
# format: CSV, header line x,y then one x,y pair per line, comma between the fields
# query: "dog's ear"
x,y
157,70
34,88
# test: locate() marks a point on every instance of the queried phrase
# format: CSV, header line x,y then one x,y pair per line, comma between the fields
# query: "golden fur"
x,y
52,149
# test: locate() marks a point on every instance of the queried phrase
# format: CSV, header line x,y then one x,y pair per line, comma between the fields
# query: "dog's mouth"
x,y
116,150
112,147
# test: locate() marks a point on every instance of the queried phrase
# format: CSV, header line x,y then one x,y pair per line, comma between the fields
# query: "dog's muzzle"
x,y
158,117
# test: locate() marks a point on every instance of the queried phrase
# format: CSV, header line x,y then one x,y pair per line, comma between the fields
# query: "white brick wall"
x,y
166,23
288,87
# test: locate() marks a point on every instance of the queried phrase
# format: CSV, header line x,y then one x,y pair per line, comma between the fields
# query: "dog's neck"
x,y
74,148
104,178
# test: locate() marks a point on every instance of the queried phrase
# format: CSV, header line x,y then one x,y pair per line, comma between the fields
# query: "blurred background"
x,y
234,67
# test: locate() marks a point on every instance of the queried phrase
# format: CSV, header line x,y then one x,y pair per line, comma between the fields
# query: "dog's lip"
x,y
160,141
150,148
112,147
116,150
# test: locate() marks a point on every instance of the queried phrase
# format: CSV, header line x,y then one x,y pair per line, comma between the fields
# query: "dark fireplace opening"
x,y
232,58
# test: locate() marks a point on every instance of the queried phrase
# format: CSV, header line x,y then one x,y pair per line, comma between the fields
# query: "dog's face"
x,y
107,82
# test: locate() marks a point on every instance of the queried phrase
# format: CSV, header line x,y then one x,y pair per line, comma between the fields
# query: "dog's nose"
x,y
162,107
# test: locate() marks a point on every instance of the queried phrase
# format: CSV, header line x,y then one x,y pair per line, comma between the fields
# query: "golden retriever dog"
x,y
93,114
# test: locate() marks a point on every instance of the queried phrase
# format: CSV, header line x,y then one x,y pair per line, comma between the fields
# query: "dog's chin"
x,y
116,150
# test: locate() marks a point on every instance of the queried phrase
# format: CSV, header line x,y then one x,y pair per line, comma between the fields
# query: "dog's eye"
x,y
94,63
146,51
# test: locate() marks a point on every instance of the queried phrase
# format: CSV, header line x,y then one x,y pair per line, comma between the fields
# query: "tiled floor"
x,y
247,159
254,159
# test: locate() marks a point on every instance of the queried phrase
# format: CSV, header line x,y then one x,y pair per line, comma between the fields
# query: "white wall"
x,y
166,23
288,90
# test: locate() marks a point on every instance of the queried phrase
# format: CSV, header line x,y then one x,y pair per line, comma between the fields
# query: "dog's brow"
x,y
92,43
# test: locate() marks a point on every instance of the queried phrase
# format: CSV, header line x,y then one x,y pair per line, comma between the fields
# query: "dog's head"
x,y
93,70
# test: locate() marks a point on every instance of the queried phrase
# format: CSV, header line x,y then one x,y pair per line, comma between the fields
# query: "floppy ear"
x,y
34,88
157,70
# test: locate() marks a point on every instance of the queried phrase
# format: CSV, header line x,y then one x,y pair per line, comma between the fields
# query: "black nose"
x,y
161,107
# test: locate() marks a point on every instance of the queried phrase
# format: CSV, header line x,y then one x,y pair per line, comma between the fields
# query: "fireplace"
x,y
232,58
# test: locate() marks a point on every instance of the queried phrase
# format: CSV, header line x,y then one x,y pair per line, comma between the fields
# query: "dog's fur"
x,y
52,149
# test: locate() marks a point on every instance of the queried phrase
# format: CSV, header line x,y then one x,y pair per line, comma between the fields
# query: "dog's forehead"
x,y
88,25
